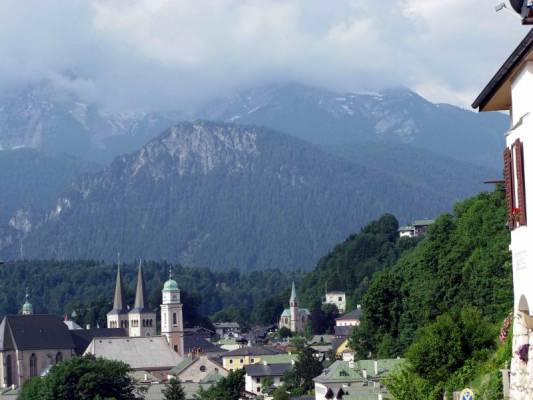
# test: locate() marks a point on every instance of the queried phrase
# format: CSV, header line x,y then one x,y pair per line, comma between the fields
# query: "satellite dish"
x,y
517,5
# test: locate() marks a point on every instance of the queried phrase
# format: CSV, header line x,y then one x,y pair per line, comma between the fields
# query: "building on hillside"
x,y
148,353
361,379
198,369
337,299
240,358
257,374
227,330
511,89
353,318
416,228
294,317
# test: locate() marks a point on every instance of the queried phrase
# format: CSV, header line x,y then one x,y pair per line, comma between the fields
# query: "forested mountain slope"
x,y
224,195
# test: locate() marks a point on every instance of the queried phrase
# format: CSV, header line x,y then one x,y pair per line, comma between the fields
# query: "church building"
x,y
140,321
294,317
511,89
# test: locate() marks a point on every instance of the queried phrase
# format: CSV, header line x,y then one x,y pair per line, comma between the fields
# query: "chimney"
x,y
145,377
375,367
88,326
359,306
265,363
365,374
351,364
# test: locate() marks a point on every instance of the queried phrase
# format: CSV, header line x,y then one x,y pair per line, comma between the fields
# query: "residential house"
x,y
240,358
336,298
416,228
198,369
353,318
351,379
257,374
227,329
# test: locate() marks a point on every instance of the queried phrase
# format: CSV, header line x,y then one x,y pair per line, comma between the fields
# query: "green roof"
x,y
285,358
185,363
423,222
340,371
287,312
171,285
27,307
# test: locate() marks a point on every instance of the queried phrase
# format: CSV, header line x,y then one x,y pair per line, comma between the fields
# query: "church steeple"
x,y
119,305
140,293
118,316
294,297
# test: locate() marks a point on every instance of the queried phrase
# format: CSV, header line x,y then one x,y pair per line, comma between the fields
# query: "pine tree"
x,y
173,390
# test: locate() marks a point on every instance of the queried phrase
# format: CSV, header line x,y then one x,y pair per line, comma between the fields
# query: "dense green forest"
x,y
442,303
87,288
350,265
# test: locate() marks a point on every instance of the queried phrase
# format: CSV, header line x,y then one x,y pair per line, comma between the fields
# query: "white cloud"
x,y
155,54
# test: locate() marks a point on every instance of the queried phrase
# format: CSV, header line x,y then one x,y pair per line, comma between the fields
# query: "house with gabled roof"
x,y
201,369
354,378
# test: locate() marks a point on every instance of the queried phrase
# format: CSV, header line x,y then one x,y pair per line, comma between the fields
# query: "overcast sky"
x,y
158,54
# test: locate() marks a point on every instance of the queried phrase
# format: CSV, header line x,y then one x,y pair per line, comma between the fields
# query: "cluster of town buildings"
x,y
31,344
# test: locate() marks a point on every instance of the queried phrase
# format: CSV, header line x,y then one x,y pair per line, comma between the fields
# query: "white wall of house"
x,y
338,299
254,384
348,322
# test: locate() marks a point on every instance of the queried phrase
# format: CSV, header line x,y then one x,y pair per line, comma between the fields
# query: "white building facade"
x,y
336,298
512,89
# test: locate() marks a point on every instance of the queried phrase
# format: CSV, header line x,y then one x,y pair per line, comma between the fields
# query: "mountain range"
x,y
224,195
290,172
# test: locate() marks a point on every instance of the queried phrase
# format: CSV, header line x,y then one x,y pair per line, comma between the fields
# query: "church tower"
x,y
293,305
172,316
27,307
118,316
142,321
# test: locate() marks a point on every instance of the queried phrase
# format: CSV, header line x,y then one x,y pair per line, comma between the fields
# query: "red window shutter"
x,y
520,182
509,195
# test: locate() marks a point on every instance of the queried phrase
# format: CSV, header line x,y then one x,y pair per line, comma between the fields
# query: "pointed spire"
x,y
293,293
140,294
118,301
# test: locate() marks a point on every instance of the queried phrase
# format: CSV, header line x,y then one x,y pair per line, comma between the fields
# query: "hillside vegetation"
x,y
441,304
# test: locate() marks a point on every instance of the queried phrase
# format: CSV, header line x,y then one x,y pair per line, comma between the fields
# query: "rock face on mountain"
x,y
47,118
392,116
223,196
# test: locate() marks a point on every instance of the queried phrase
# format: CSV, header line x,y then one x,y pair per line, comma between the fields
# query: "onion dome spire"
x,y
27,307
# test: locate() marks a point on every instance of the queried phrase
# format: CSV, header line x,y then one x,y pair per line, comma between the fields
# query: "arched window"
x,y
203,368
9,373
174,319
33,365
59,357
